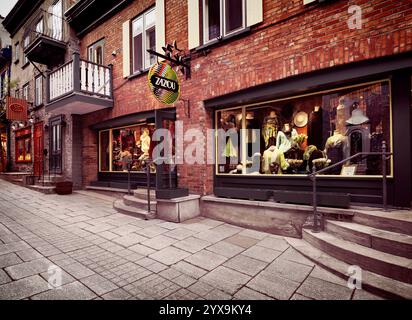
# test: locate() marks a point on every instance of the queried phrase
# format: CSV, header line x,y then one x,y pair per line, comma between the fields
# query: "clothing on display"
x,y
284,141
273,155
270,127
315,128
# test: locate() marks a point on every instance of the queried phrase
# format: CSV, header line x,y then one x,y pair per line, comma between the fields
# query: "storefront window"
x,y
23,145
129,146
291,136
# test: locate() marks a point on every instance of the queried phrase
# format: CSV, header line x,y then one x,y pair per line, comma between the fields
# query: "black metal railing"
x,y
318,218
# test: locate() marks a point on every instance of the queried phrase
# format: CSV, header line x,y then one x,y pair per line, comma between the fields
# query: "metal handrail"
x,y
319,225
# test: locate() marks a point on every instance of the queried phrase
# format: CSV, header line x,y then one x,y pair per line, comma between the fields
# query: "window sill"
x,y
24,162
138,74
227,38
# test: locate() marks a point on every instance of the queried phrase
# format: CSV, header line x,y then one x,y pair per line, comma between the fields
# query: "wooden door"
x,y
38,149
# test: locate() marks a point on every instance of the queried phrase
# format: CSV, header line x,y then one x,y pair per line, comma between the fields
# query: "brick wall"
x,y
293,39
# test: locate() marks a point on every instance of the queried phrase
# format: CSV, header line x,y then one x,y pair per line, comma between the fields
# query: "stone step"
x,y
45,189
375,283
398,244
388,265
132,211
139,203
142,194
396,221
47,183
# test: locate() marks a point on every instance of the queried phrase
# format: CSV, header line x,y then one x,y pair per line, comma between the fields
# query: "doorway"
x,y
38,149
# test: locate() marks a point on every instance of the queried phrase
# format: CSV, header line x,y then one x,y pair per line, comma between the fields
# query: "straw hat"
x,y
301,119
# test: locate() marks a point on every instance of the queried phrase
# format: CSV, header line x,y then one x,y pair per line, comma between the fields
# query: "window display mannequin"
x,y
336,149
230,150
270,127
285,138
273,161
343,112
145,144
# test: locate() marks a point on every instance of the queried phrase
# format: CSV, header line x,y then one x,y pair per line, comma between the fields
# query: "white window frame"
x,y
38,90
26,42
223,32
145,55
26,89
17,52
92,51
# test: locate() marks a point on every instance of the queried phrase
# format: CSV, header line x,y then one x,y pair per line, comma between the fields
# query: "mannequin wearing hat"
x,y
145,144
284,139
336,149
273,160
270,127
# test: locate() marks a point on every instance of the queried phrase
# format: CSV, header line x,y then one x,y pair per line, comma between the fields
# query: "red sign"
x,y
16,109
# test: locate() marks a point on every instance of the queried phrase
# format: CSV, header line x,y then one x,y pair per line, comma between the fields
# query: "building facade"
x,y
5,59
336,72
320,81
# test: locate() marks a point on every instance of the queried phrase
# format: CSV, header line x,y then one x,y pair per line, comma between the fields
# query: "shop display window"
x,y
23,146
295,135
126,146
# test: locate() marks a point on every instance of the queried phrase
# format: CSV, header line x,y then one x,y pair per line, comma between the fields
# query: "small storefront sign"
x,y
164,83
16,109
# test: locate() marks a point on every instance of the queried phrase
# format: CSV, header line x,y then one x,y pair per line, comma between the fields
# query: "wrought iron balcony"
x,y
79,87
45,39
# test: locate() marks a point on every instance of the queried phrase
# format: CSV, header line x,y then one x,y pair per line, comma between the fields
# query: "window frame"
x,y
145,55
244,109
37,101
16,52
26,91
92,49
25,45
223,33
23,138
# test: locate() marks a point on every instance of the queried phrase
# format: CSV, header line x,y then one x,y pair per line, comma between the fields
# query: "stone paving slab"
x,y
71,291
23,288
107,255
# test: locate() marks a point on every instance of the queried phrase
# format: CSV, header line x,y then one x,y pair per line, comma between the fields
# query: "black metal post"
x,y
128,179
314,202
148,185
384,180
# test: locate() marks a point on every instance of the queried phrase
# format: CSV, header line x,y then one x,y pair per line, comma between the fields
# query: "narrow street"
x,y
106,255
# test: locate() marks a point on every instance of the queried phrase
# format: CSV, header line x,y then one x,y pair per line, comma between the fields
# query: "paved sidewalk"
x,y
106,255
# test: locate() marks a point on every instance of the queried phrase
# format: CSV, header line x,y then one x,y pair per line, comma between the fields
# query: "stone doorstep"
x,y
375,283
179,209
44,190
386,264
279,206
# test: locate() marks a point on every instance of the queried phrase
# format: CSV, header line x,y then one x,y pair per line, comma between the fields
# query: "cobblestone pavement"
x,y
107,255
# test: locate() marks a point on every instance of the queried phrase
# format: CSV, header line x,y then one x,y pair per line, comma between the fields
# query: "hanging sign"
x,y
164,83
16,109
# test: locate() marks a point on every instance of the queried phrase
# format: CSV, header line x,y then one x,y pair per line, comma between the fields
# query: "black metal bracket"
x,y
175,59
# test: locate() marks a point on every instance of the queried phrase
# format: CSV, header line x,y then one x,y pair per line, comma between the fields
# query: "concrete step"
x,y
106,189
45,189
398,244
139,203
132,211
142,194
388,265
47,183
396,220
375,283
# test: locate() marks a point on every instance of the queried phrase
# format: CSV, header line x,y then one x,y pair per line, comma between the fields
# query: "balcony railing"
x,y
82,77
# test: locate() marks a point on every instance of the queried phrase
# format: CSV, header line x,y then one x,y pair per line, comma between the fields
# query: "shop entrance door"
x,y
38,149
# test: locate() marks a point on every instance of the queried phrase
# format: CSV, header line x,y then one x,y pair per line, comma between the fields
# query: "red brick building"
x,y
251,60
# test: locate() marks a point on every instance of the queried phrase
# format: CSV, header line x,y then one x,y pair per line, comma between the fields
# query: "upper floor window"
x,y
3,80
38,90
222,17
56,20
26,42
16,52
143,38
26,92
95,52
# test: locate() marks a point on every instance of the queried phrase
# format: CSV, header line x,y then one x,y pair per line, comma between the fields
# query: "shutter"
x,y
254,12
193,21
126,49
160,25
